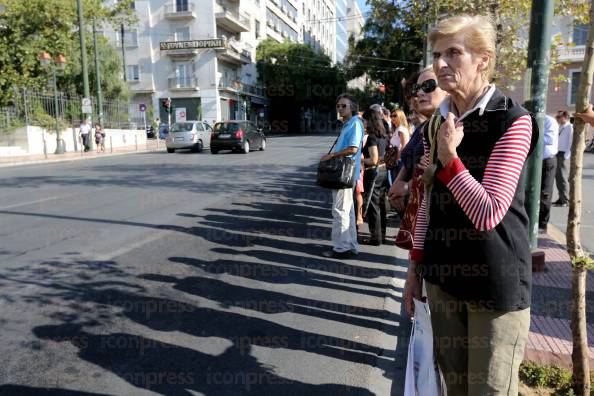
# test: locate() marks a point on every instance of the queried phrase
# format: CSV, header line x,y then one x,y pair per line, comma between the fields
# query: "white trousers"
x,y
344,229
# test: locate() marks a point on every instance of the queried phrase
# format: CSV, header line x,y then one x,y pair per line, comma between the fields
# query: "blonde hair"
x,y
402,122
479,35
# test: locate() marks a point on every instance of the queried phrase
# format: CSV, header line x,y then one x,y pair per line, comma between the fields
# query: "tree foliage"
x,y
397,30
29,27
296,78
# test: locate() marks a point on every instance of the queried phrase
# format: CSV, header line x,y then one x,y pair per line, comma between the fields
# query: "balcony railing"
x,y
571,53
235,86
231,18
183,83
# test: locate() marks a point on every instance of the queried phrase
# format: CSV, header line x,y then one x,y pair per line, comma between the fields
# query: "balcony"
x,y
180,11
183,84
571,53
234,54
231,19
234,86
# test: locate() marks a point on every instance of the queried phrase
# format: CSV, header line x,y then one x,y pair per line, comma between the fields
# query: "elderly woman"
x,y
471,239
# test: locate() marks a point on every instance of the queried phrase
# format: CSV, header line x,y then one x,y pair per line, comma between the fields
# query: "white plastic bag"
x,y
422,375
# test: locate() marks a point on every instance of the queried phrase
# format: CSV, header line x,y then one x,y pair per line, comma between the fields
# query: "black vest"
x,y
492,269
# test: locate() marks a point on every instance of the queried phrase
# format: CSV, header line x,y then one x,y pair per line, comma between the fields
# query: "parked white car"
x,y
194,135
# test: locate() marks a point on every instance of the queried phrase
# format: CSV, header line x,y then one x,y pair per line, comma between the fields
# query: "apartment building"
x,y
562,94
201,53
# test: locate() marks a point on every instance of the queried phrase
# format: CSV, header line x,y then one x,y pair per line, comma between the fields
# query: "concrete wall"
x,y
31,139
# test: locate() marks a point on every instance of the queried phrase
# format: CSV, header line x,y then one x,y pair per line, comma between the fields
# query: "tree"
x,y
297,78
581,262
29,27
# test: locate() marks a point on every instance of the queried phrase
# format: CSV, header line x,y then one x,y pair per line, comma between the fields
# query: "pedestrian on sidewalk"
x,y
375,177
471,243
549,166
563,154
344,229
85,129
99,138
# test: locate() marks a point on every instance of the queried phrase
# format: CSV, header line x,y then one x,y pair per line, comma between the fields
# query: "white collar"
x,y
446,105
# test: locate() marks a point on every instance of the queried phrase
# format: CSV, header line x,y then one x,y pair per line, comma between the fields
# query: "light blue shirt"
x,y
351,135
551,137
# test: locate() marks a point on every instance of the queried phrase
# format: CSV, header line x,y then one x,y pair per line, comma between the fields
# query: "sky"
x,y
364,8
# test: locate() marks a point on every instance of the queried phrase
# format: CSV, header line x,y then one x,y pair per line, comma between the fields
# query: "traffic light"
x,y
167,105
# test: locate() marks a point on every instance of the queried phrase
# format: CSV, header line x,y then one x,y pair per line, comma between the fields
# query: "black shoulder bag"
x,y
337,172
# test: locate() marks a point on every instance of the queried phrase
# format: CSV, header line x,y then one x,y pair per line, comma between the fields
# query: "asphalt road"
x,y
559,215
190,274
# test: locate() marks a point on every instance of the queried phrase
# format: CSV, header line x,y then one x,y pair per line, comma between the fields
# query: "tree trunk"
x,y
579,356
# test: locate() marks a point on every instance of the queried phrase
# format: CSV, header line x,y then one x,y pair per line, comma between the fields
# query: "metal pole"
x,y
83,57
110,144
59,143
539,45
123,51
98,77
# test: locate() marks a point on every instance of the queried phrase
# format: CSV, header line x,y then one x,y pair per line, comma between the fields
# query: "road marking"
x,y
37,201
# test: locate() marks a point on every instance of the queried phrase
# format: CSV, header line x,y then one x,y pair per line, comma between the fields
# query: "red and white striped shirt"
x,y
486,203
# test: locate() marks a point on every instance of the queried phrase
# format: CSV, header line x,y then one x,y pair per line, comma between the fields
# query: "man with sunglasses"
x,y
344,228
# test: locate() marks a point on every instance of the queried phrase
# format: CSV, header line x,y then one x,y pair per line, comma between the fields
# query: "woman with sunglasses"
x,y
424,97
471,244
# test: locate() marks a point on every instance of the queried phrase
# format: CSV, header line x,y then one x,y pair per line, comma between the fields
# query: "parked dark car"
x,y
237,136
150,132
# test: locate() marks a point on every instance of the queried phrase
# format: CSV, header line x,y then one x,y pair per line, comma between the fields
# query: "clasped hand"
x,y
449,137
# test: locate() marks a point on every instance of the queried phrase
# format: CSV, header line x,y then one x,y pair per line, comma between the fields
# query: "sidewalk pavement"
x,y
549,340
151,145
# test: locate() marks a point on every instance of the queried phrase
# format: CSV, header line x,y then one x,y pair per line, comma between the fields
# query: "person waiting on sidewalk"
x,y
344,229
563,154
471,243
549,165
375,178
99,138
85,130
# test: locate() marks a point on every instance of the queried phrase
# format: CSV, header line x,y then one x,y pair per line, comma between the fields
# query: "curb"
x,y
71,159
556,234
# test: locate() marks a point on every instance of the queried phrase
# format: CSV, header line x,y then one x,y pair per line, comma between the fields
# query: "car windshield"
x,y
223,127
181,127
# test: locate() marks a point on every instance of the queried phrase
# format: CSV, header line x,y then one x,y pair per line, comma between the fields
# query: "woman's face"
x,y
394,119
427,102
457,68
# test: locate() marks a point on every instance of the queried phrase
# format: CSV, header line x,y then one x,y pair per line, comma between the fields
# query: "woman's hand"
x,y
412,288
397,193
449,138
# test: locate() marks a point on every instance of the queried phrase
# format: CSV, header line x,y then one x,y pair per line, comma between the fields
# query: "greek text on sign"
x,y
210,43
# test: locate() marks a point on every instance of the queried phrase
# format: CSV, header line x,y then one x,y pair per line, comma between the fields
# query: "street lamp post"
x,y
60,61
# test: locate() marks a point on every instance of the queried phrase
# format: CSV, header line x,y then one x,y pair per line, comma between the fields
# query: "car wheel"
x,y
214,151
198,147
263,145
246,147
170,150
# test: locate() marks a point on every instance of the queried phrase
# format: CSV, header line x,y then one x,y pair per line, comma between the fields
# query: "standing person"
x,y
99,138
549,165
85,129
375,177
471,243
359,187
344,230
565,139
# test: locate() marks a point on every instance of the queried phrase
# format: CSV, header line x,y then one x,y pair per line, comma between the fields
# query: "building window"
x,y
130,38
133,73
181,5
574,83
257,29
580,34
182,33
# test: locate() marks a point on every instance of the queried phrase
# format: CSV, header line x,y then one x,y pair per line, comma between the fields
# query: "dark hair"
x,y
350,98
385,111
563,113
375,124
408,85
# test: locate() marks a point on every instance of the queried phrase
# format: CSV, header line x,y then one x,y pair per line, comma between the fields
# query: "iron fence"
x,y
31,107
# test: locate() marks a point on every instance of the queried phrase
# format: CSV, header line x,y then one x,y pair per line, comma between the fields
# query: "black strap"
x,y
334,144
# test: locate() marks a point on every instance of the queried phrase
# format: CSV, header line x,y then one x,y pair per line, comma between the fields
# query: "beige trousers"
x,y
479,351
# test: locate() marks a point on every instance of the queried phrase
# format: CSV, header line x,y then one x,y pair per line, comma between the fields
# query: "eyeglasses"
x,y
340,106
394,116
426,86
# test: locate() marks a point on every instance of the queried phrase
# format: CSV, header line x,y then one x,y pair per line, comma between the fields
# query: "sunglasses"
x,y
426,86
340,106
